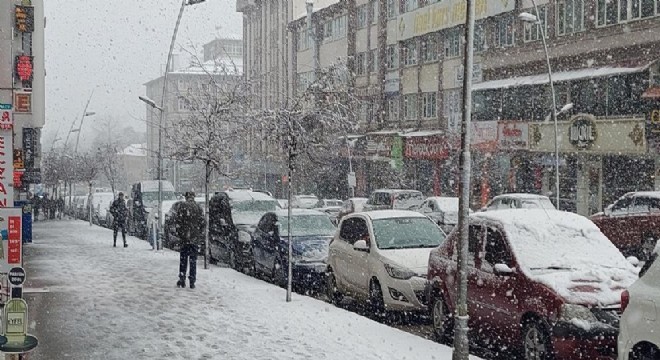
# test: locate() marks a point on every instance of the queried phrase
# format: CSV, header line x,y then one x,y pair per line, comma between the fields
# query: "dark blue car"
x,y
311,233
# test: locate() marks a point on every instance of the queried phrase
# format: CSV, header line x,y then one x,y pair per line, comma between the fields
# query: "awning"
x,y
557,77
423,133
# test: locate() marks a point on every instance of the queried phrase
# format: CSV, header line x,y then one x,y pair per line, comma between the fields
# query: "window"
x,y
339,25
373,63
640,205
362,16
611,12
505,31
453,109
327,30
429,102
621,206
360,63
303,40
354,229
409,5
393,108
479,38
183,104
392,8
570,16
475,236
534,31
429,48
374,11
409,52
453,43
392,59
496,251
410,106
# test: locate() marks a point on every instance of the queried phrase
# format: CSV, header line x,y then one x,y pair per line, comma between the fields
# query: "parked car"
x,y
234,246
519,201
544,282
639,337
168,225
632,223
100,207
311,232
304,201
394,199
283,203
442,210
350,206
381,257
330,207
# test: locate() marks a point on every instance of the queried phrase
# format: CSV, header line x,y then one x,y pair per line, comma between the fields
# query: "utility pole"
x,y
461,343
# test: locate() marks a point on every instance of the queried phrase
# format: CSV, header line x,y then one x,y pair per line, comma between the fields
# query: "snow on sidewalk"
x,y
126,303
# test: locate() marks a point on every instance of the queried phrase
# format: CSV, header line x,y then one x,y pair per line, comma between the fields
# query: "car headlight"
x,y
579,312
399,272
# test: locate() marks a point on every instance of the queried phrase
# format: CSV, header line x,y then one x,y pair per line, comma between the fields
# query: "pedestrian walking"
x,y
190,225
36,206
119,213
60,208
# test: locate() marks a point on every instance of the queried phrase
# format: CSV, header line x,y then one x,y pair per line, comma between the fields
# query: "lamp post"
x,y
163,109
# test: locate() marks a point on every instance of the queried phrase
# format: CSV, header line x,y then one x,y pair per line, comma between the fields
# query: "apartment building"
x,y
406,59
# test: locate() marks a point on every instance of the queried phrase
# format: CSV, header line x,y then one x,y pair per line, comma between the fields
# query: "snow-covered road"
x,y
115,303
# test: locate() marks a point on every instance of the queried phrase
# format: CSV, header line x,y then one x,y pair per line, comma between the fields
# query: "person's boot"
x,y
192,285
114,243
125,244
182,283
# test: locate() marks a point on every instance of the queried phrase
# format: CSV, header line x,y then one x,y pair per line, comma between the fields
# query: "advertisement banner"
x,y
12,240
512,135
433,147
484,135
28,147
23,102
6,170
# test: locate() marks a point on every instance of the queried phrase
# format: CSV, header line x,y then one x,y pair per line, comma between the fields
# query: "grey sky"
x,y
114,47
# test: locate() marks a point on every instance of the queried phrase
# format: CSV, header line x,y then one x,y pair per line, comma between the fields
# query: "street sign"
x,y
17,276
5,106
352,181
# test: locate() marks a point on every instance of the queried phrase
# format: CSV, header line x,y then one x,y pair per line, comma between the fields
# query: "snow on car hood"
x,y
311,248
598,286
416,260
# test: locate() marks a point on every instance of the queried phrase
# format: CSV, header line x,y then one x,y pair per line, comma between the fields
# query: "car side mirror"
x,y
503,270
361,245
633,260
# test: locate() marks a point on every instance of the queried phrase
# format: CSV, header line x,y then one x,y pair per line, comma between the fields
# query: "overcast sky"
x,y
114,47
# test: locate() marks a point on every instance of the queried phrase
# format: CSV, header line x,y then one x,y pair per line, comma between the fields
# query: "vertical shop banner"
x,y
6,170
12,238
28,148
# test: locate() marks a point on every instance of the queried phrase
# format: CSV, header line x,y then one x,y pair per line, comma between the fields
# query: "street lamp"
x,y
534,19
163,110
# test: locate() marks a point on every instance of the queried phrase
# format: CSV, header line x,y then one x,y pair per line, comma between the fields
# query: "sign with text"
x,y
11,233
484,135
16,276
23,102
18,159
6,117
6,169
446,14
24,18
15,317
512,135
431,147
29,147
24,67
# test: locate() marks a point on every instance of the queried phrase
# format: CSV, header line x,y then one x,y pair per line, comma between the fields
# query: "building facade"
x,y
22,96
406,60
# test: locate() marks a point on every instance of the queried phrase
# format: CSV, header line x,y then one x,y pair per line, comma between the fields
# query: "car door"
x,y
476,233
262,241
637,223
613,223
341,252
496,293
360,275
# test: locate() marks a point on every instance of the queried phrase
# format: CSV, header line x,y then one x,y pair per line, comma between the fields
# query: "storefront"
x,y
426,154
604,158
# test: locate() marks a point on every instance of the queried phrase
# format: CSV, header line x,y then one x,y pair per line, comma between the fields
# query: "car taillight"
x,y
625,300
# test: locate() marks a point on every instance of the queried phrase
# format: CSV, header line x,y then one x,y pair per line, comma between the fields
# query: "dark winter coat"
x,y
119,211
220,209
190,223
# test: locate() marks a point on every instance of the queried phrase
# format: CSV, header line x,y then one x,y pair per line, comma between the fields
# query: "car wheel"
x,y
331,290
376,301
648,245
279,274
536,342
441,320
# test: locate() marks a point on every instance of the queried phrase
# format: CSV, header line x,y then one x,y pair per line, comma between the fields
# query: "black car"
x,y
311,233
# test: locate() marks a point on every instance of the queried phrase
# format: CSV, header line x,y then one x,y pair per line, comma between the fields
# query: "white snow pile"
x,y
123,304
568,253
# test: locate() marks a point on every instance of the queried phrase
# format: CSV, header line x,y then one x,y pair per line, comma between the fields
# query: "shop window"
x,y
410,106
534,31
570,16
453,43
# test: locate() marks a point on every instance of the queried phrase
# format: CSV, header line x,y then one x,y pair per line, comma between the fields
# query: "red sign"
x,y
18,179
434,147
23,103
6,120
14,244
24,67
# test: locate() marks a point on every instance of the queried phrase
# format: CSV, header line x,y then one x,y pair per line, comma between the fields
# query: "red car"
x,y
632,223
543,282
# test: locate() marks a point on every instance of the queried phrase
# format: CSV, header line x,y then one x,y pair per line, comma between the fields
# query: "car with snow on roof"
x,y
519,201
380,257
544,282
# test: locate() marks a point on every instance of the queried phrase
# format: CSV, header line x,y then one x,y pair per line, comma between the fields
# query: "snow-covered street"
x,y
92,301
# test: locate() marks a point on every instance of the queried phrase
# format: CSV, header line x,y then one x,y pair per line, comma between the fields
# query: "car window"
x,y
475,234
496,251
640,205
621,206
380,198
432,206
267,223
654,205
407,233
407,200
354,229
307,225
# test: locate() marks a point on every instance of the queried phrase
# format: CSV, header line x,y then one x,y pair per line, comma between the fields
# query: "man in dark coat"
x,y
60,207
190,225
119,213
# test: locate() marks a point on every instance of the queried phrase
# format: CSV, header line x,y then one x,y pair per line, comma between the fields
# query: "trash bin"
x,y
26,221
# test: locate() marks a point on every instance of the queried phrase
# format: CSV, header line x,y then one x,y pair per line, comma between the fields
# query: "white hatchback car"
x,y
381,257
639,327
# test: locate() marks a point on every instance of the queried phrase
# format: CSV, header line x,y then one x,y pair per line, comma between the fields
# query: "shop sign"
x,y
434,147
446,14
512,135
11,233
29,146
18,159
6,170
582,132
24,67
484,135
23,102
24,18
18,178
6,117
653,131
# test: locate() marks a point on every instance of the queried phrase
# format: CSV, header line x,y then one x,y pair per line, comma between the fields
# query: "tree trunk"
x,y
207,252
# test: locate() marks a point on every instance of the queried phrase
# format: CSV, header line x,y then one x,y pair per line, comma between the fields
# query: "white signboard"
x,y
6,169
512,135
446,14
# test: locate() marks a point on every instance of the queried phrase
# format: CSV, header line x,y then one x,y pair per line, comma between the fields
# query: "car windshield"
x,y
307,225
540,203
329,203
407,233
151,198
407,200
254,206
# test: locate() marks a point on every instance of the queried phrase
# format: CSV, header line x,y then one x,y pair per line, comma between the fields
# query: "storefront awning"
x,y
423,133
541,79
